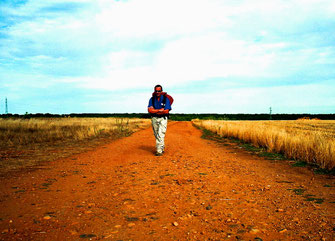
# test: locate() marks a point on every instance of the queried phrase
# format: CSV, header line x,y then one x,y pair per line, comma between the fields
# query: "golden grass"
x,y
26,131
27,142
312,141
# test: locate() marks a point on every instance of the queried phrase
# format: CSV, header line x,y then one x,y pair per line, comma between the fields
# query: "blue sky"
x,y
213,56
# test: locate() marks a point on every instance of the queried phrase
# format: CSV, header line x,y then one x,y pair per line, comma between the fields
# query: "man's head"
x,y
158,90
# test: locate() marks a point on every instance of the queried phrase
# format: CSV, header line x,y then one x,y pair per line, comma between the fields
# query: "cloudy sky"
x,y
212,56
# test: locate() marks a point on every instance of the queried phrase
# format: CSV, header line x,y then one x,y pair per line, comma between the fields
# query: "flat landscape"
x,y
199,190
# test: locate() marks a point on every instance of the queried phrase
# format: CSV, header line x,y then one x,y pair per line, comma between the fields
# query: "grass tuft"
x,y
299,164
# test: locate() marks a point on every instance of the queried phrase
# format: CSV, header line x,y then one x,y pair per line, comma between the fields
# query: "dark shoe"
x,y
159,154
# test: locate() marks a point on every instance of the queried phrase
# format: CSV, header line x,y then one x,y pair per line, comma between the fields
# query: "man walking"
x,y
159,107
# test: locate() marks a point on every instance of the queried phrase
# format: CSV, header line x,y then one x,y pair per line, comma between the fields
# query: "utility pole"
x,y
6,106
270,113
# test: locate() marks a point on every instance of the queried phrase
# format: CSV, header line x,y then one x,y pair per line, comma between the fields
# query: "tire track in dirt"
x,y
199,190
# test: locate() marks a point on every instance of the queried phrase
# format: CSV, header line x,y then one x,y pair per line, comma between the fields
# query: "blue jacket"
x,y
158,104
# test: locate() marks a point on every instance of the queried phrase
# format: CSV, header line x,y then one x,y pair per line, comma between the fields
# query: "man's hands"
x,y
161,111
152,110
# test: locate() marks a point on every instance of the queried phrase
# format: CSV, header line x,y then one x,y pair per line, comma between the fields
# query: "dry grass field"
x,y
23,142
312,141
26,131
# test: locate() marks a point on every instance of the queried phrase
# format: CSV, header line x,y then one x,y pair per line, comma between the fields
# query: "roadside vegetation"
x,y
311,141
180,117
26,131
24,141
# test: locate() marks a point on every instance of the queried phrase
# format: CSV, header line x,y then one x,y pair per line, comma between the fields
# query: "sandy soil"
x,y
199,190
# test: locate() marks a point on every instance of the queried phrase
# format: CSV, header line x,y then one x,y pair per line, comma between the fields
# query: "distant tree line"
x,y
180,117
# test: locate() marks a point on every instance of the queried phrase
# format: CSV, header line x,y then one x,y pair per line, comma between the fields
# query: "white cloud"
x,y
310,98
159,19
120,79
207,56
105,45
126,103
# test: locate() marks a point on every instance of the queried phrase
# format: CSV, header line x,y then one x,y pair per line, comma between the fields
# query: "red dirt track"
x,y
199,190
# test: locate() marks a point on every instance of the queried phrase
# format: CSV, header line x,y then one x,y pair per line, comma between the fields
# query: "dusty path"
x,y
198,190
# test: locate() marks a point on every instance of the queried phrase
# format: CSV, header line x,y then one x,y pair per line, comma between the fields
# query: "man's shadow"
x,y
150,149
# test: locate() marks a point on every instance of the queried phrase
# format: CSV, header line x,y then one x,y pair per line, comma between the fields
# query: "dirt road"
x,y
199,190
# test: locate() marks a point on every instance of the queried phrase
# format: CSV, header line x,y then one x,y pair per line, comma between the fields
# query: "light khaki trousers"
x,y
159,125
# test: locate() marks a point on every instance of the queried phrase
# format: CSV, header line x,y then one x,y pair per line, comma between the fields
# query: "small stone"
x,y
254,231
73,232
108,236
88,212
280,210
47,217
209,207
117,226
89,236
175,224
131,225
283,230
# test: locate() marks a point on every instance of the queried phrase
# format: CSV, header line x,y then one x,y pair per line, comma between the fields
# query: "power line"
x,y
6,106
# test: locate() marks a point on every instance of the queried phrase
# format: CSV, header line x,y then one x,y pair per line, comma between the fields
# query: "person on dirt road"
x,y
159,107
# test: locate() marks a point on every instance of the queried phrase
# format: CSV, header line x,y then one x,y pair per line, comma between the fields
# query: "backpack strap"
x,y
164,99
155,98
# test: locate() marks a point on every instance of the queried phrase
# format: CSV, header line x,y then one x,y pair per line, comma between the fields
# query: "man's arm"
x,y
166,110
152,110
161,111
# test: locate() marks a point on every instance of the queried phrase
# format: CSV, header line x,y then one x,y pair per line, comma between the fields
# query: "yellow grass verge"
x,y
312,141
26,143
36,130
